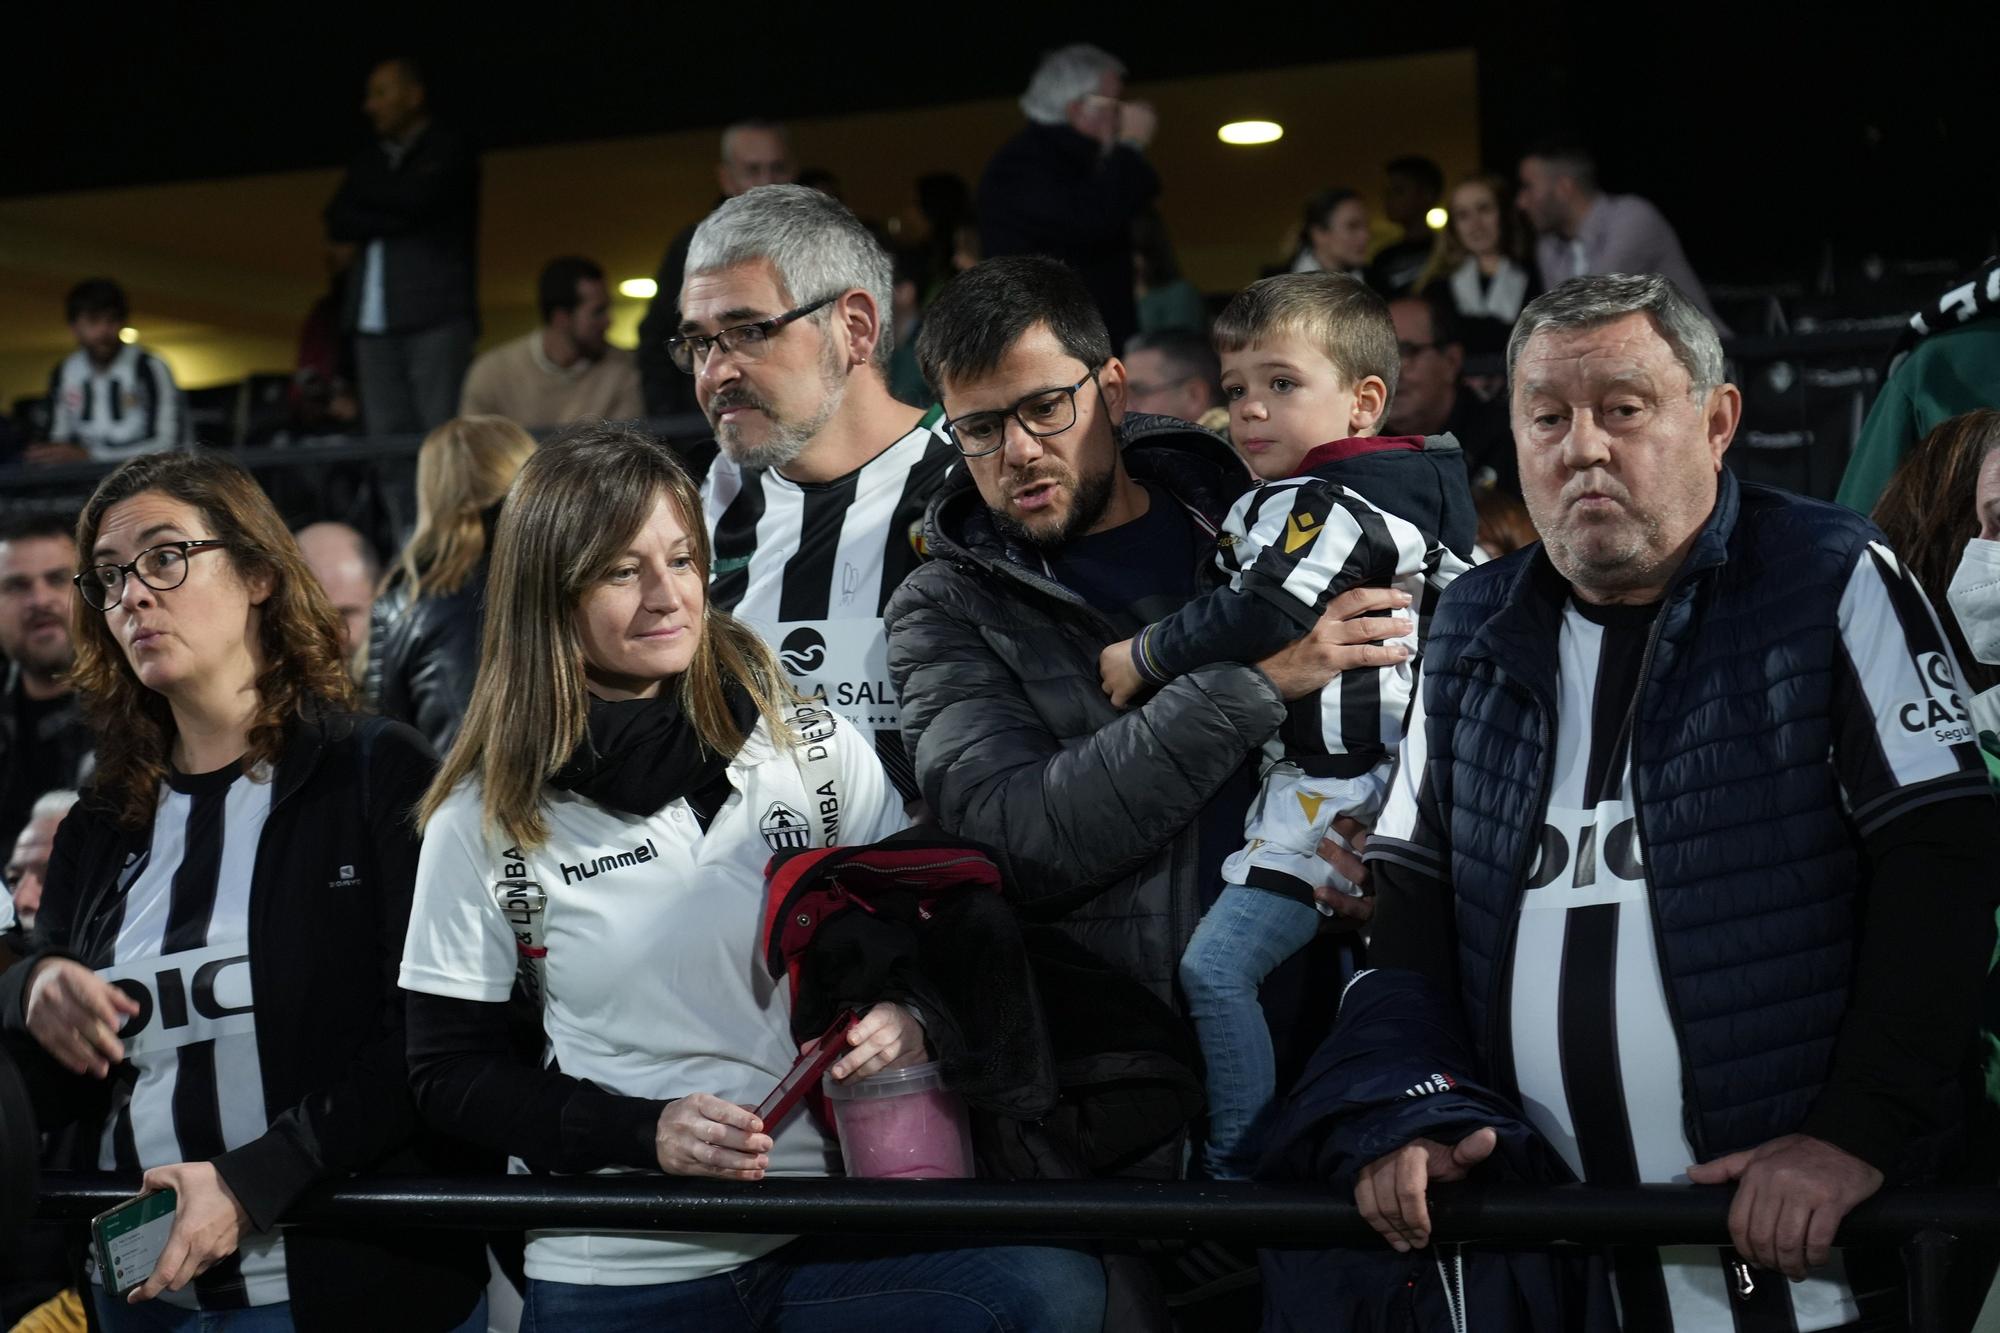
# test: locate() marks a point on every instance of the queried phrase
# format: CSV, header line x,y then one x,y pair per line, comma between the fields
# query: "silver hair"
x,y
1062,77
729,133
818,247
52,805
1588,302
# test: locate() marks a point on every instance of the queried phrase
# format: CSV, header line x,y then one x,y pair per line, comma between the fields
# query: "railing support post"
x,y
1926,1261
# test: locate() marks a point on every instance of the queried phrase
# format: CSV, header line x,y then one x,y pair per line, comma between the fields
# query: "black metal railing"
x,y
1923,1224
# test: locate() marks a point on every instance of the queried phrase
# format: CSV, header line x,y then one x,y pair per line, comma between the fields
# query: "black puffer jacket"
x,y
1016,746
423,656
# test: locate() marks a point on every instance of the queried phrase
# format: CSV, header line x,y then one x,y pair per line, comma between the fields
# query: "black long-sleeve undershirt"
x,y
1927,931
472,1082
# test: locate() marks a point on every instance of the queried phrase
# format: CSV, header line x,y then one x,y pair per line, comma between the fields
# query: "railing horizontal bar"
x,y
1070,1210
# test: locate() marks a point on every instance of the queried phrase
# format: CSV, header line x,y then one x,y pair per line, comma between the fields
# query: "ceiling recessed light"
x,y
639,289
1243,132
128,334
1436,218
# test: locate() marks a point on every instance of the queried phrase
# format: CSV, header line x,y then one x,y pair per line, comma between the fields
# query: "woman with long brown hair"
x,y
423,648
631,761
222,914
1931,514
1482,261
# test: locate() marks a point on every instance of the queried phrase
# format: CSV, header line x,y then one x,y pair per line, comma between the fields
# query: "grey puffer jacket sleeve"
x,y
991,689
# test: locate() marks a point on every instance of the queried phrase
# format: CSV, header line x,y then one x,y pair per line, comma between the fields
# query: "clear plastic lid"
x,y
927,1077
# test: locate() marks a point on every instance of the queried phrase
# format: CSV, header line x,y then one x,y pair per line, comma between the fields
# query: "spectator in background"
x,y
347,568
323,397
1586,231
410,206
1166,300
1334,236
1941,515
945,201
28,866
1947,362
1415,186
754,152
1431,400
815,501
1176,374
423,640
44,740
906,377
1072,183
565,370
1482,261
108,399
1504,522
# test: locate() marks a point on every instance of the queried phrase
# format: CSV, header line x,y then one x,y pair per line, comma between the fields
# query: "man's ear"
x,y
1724,413
1371,400
857,314
1112,384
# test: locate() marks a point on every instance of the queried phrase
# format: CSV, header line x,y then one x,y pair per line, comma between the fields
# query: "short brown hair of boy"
x,y
1340,316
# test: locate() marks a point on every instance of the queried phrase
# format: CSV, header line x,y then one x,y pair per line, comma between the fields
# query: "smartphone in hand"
x,y
130,1238
805,1072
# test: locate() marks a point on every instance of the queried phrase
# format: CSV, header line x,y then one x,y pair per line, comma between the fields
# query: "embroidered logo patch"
x,y
785,829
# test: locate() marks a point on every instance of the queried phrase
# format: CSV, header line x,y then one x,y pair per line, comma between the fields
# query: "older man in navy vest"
x,y
1690,827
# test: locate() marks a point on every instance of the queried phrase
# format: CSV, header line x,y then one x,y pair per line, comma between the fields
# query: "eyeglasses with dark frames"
x,y
748,341
161,568
1042,414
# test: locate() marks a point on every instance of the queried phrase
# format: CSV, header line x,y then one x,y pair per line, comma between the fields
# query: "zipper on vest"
x,y
1690,1112
1503,964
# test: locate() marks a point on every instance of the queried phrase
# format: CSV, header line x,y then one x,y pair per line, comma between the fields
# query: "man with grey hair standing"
x,y
1689,840
816,500
1070,184
754,153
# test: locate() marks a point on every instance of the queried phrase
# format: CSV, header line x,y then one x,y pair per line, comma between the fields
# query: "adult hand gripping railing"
x,y
1922,1223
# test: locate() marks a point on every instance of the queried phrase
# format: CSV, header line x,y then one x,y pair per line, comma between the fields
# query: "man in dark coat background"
x,y
1071,183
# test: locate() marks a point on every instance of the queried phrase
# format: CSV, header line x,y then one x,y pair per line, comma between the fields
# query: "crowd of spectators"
x,y
1230,741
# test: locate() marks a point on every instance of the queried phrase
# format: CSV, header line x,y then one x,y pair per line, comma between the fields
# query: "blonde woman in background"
x,y
423,650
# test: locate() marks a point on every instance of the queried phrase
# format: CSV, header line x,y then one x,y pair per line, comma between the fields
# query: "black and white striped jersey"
x,y
1306,540
177,941
811,565
129,407
1587,1031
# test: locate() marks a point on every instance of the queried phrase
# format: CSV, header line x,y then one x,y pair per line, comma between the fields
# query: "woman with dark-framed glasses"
x,y
214,979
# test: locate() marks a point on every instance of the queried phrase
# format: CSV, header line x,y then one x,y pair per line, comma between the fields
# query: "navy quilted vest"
x,y
1753,866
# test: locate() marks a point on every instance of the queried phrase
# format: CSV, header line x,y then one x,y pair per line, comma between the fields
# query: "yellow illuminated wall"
x,y
221,273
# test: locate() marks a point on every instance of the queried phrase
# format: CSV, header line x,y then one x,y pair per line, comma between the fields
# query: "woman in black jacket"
x,y
423,647
223,920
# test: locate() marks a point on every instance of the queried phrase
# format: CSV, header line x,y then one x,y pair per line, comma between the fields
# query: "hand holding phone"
x,y
130,1238
805,1072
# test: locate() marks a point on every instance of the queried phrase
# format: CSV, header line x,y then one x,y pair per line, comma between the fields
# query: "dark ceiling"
x,y
1768,133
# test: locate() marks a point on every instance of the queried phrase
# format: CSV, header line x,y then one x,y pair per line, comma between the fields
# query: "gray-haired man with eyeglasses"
x,y
816,499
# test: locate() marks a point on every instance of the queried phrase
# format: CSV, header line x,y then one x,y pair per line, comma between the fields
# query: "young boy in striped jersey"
x,y
1309,364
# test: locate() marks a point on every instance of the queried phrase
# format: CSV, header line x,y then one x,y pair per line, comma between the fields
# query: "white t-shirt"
x,y
656,981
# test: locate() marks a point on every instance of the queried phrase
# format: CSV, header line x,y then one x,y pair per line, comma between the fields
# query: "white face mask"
x,y
1975,598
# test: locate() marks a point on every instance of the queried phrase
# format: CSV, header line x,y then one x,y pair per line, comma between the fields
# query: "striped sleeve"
x,y
1308,543
62,421
1903,737
166,411
1410,832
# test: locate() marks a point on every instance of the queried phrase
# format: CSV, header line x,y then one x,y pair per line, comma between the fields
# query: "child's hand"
x,y
1122,682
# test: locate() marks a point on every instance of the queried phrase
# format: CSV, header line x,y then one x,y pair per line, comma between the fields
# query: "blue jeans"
x,y
828,1285
1239,941
117,1316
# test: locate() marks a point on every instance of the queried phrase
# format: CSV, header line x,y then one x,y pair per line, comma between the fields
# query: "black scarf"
x,y
1976,298
639,755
